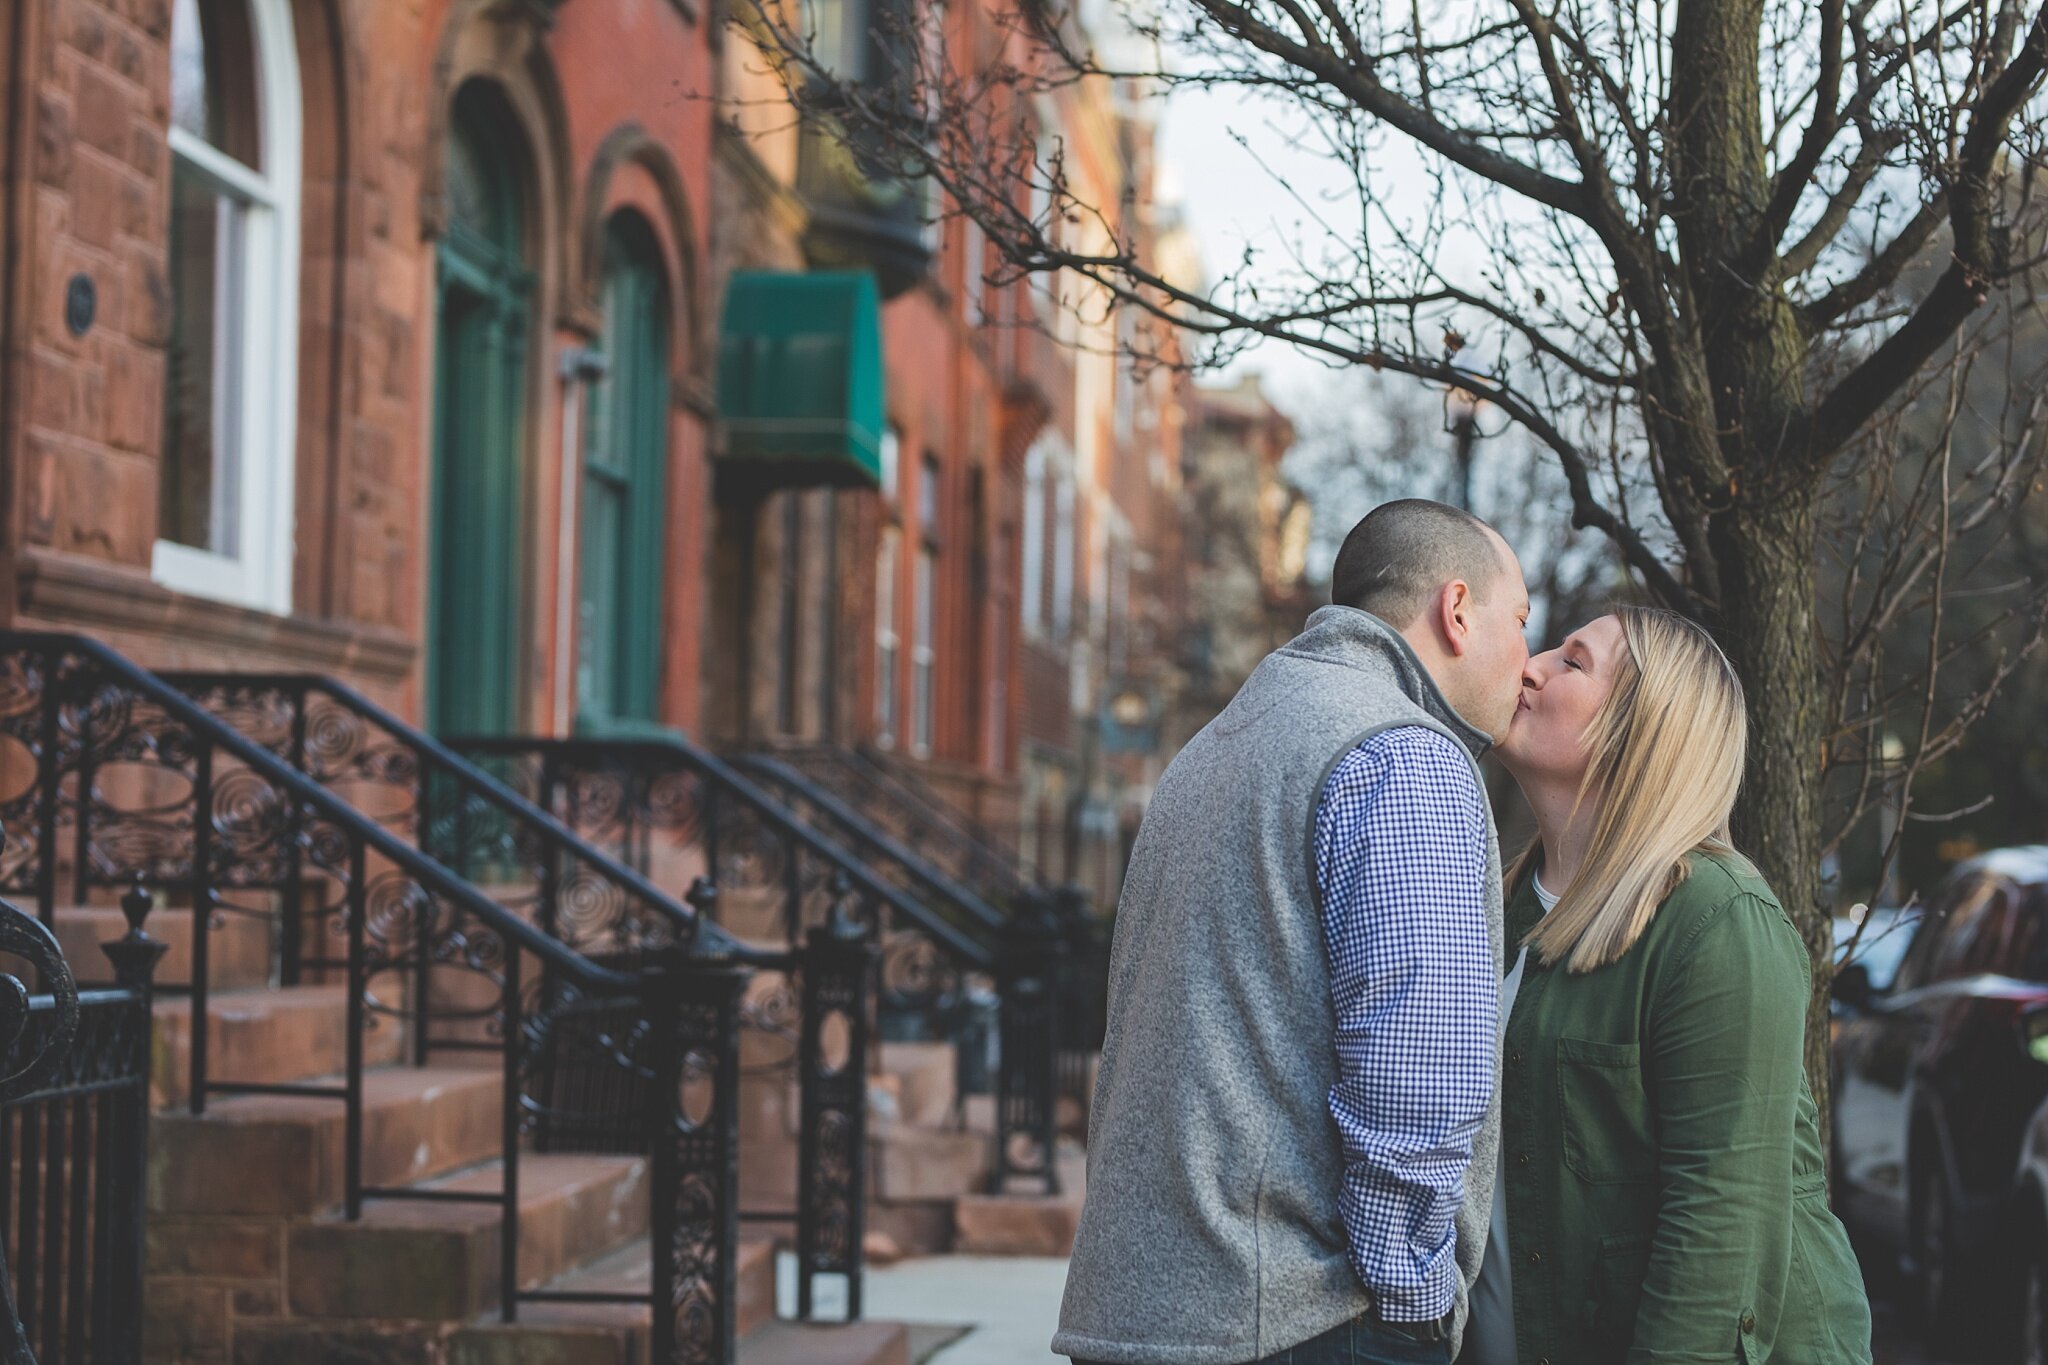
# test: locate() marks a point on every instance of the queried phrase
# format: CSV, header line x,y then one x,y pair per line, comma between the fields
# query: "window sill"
x,y
67,591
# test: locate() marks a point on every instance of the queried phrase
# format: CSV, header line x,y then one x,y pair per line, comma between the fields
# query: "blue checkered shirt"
x,y
1400,850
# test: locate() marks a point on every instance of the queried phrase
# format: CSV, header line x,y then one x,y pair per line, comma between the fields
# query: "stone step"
x,y
276,1154
237,950
1025,1222
263,1037
562,1334
842,1343
926,1165
924,1079
630,1269
1016,1224
437,1260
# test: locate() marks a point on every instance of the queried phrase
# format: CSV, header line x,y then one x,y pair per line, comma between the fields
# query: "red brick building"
x,y
304,302
1246,532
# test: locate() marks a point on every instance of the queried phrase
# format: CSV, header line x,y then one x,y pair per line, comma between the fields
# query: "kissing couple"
x,y
1354,1108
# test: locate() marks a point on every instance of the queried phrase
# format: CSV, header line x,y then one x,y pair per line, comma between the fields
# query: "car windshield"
x,y
1886,936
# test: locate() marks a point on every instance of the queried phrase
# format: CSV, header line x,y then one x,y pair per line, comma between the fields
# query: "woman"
x,y
1663,1197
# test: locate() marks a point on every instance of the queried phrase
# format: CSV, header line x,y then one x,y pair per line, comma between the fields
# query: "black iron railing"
x,y
447,807
1077,1014
902,865
589,898
134,783
74,1127
914,816
973,1021
677,811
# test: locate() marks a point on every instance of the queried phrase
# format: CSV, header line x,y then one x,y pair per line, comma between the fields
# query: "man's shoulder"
x,y
1411,750
1406,760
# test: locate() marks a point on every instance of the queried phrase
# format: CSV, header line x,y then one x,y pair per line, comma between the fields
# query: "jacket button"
x,y
1523,1159
1749,1324
1535,1258
1514,1057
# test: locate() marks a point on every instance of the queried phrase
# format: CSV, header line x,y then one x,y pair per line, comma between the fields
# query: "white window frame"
x,y
266,379
998,727
1031,598
888,644
1062,623
973,261
923,658
892,459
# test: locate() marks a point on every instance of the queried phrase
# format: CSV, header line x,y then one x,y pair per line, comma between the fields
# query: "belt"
x,y
1431,1332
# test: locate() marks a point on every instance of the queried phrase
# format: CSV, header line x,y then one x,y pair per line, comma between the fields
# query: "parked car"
x,y
2031,1214
1872,946
1936,1079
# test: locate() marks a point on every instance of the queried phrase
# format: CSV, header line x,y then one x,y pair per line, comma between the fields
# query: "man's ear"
x,y
1454,616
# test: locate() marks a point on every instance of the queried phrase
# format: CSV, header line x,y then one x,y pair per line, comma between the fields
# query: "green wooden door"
x,y
480,378
625,489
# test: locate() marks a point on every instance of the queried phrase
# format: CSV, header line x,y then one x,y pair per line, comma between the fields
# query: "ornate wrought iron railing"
x,y
897,864
1078,1015
124,780
676,811
443,802
74,1124
913,815
444,805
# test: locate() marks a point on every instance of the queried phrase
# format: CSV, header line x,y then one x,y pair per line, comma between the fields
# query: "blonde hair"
x,y
1666,751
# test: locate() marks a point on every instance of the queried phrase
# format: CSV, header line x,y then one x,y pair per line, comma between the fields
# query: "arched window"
x,y
224,522
484,302
625,485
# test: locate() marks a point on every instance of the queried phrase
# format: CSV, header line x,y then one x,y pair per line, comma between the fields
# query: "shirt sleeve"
x,y
1400,858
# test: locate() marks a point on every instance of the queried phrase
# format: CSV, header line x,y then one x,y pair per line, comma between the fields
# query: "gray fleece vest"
x,y
1211,1234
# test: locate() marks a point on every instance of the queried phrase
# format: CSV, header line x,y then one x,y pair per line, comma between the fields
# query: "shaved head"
x,y
1396,559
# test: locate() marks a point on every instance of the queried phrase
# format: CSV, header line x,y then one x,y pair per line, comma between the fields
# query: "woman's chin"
x,y
1513,747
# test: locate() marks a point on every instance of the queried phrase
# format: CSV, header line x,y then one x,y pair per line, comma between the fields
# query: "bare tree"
x,y
1722,248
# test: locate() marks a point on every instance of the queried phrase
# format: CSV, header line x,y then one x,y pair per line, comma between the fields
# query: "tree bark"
x,y
1765,550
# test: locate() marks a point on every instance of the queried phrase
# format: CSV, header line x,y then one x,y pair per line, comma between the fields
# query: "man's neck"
x,y
1435,661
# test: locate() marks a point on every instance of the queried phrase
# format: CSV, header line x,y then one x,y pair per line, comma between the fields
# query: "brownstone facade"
x,y
600,99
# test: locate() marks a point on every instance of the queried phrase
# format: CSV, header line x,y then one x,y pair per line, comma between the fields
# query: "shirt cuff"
x,y
1422,1303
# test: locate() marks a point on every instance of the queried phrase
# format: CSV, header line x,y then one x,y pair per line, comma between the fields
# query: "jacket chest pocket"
x,y
1606,1112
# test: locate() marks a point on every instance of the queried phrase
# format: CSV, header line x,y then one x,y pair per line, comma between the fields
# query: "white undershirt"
x,y
1490,1332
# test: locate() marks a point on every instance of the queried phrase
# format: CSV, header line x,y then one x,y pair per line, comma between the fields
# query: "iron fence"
x,y
74,1123
132,782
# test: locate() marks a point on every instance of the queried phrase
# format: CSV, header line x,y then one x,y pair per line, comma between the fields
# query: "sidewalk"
x,y
1001,1310
962,1310
1010,1304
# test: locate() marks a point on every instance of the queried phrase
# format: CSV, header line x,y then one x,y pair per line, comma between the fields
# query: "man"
x,y
1291,1155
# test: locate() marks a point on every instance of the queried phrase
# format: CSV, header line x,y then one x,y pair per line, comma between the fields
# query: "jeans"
x,y
1362,1341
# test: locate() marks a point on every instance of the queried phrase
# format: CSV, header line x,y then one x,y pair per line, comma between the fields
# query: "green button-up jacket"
x,y
1666,1199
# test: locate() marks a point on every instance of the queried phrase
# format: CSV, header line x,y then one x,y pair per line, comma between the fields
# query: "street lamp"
x,y
1891,760
1461,419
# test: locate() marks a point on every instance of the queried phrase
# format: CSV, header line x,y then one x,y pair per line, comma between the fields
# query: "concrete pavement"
x,y
962,1310
1001,1310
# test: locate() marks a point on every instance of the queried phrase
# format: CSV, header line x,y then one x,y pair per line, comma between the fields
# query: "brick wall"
x,y
608,110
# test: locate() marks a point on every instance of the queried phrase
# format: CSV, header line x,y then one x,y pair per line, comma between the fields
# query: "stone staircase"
x,y
317,1192
250,1261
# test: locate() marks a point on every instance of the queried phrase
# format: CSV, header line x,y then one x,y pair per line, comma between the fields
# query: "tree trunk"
x,y
1766,555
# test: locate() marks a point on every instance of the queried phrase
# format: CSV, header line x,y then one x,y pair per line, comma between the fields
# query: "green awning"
x,y
800,379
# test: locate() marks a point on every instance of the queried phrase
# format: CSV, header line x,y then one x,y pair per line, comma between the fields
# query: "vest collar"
x,y
1358,639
